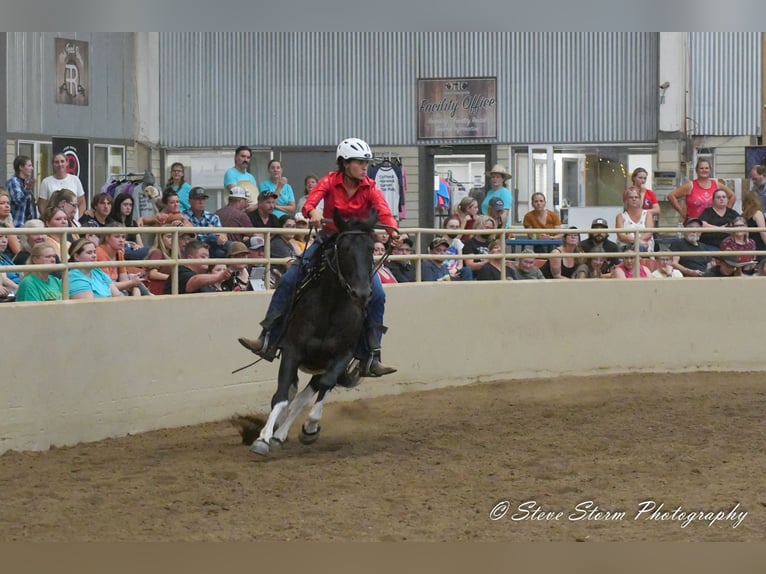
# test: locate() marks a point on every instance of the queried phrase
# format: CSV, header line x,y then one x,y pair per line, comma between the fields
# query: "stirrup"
x,y
260,347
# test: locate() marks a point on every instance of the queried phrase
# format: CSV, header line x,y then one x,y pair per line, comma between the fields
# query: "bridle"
x,y
333,262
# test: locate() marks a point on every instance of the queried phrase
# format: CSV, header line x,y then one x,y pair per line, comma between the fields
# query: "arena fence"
x,y
421,239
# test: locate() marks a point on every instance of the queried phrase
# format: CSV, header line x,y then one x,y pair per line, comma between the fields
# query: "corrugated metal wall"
x,y
311,89
725,83
32,107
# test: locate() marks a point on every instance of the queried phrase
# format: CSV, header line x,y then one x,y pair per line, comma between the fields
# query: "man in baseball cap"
x,y
233,213
600,239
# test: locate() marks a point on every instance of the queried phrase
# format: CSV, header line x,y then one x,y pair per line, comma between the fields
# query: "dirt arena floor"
x,y
586,459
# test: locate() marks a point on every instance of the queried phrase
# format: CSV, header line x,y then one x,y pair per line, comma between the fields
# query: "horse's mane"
x,y
356,224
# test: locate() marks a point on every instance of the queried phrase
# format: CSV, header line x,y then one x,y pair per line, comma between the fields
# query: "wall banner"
x,y
71,72
457,108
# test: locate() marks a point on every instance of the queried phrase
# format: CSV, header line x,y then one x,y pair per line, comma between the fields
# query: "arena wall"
x,y
79,371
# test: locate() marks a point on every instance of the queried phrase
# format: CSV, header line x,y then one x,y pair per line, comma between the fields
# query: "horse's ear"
x,y
340,223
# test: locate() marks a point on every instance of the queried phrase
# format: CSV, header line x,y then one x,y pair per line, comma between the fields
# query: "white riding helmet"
x,y
353,148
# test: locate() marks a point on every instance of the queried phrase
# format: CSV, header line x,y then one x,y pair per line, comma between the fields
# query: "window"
x,y
108,160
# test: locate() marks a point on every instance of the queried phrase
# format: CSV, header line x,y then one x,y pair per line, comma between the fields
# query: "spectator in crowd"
x,y
280,244
29,241
169,215
101,207
233,213
592,267
55,217
740,241
626,269
263,216
466,209
257,248
527,267
451,227
563,267
497,178
194,278
309,182
21,190
691,265
217,243
240,176
478,244
665,269
111,249
435,270
539,217
635,217
761,268
222,284
494,270
725,266
7,219
403,270
177,183
40,285
88,283
719,216
758,180
298,240
59,179
648,199
122,213
496,209
66,200
698,194
600,239
10,279
384,273
160,251
277,183
240,272
751,211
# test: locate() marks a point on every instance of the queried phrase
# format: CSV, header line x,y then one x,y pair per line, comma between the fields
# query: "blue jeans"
x,y
283,295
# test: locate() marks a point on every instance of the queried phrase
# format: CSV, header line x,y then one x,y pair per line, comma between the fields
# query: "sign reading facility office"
x,y
457,108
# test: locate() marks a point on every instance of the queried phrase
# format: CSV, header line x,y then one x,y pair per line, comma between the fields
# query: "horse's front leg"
x,y
288,375
294,409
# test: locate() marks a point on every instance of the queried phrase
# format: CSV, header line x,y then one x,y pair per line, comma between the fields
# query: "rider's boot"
x,y
260,346
372,367
370,364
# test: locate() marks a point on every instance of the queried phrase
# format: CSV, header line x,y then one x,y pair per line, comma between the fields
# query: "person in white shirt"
x,y
61,180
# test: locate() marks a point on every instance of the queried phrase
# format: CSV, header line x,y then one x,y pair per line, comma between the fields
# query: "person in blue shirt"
x,y
497,178
277,183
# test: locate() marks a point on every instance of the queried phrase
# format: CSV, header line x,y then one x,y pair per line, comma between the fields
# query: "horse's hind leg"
x,y
294,409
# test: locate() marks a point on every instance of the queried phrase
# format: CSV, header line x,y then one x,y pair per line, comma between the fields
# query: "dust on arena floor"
x,y
627,457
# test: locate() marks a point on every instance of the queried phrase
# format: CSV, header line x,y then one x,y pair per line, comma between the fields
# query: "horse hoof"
x,y
260,446
309,438
275,443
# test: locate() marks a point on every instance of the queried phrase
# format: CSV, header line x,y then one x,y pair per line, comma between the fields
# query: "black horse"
x,y
323,329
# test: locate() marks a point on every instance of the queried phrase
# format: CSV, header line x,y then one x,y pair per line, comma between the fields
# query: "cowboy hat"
x,y
499,168
250,189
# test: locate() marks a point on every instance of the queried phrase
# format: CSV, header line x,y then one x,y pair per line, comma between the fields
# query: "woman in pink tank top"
x,y
698,194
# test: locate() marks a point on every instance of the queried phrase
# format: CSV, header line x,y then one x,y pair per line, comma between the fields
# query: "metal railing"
x,y
417,233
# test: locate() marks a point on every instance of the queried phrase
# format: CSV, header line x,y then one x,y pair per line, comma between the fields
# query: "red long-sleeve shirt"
x,y
367,196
